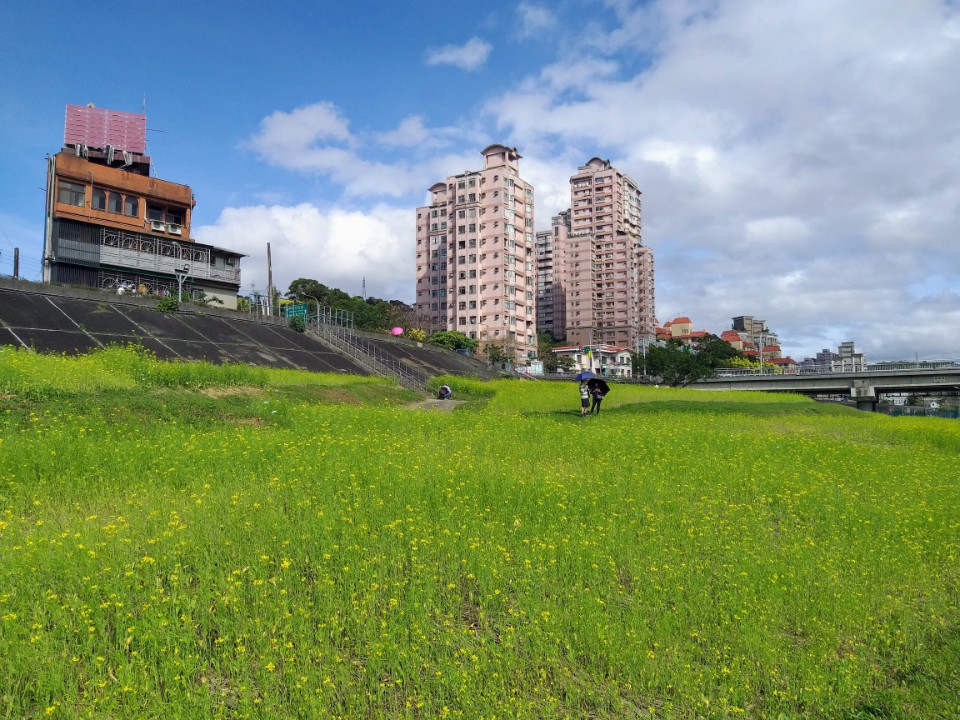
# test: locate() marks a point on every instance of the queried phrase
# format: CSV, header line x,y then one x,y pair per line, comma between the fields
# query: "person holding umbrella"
x,y
583,377
598,388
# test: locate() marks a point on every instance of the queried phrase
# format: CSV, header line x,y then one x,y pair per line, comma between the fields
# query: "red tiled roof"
x,y
682,320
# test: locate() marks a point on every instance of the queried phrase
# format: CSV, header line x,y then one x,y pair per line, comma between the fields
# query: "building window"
x,y
165,214
71,194
131,206
98,200
115,203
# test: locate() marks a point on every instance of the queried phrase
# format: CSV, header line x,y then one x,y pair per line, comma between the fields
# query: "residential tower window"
x,y
115,203
98,200
131,206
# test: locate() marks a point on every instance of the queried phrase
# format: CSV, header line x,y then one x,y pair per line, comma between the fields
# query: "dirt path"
x,y
436,404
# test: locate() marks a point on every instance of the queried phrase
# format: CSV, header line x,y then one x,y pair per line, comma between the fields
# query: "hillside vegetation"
x,y
197,541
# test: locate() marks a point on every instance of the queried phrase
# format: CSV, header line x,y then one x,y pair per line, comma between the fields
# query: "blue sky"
x,y
798,161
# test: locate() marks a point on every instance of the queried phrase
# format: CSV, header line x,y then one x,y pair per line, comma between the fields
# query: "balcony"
x,y
160,255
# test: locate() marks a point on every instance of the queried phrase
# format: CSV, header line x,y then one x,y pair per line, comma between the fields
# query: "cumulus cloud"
x,y
338,248
469,56
534,19
289,133
797,160
315,139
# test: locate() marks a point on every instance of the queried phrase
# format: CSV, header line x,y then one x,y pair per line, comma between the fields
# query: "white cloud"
x,y
288,133
469,56
409,132
797,160
335,247
315,139
534,19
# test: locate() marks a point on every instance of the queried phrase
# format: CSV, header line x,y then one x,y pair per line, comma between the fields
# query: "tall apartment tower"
x,y
475,255
551,301
600,263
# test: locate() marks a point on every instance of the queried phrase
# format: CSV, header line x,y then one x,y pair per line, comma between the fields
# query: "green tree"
x,y
718,352
452,340
677,364
496,353
546,342
680,364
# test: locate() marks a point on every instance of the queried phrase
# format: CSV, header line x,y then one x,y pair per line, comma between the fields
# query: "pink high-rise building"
x,y
603,270
475,256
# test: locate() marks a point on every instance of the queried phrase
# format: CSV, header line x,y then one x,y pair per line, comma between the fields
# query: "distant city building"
x,y
754,332
845,359
475,255
752,338
551,300
599,264
108,224
681,330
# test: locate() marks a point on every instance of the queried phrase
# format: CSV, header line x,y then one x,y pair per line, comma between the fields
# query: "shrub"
x,y
298,323
168,305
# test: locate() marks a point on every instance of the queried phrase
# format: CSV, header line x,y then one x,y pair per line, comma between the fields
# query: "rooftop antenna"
x,y
146,144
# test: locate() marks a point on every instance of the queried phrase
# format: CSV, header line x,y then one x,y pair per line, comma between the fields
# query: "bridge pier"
x,y
864,394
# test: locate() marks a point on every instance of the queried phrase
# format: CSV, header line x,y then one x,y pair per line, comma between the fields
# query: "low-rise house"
x,y
606,360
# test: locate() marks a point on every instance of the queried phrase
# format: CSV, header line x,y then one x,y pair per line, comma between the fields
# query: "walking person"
x,y
584,400
597,394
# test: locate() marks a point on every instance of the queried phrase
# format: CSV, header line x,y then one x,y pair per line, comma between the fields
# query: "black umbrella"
x,y
598,383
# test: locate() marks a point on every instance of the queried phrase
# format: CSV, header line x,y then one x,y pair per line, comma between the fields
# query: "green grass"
x,y
240,542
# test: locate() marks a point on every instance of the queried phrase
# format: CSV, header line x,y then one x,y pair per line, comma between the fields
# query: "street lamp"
x,y
318,306
182,274
643,343
761,353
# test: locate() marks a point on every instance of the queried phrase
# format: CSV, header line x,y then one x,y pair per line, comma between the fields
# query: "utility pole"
x,y
269,282
16,263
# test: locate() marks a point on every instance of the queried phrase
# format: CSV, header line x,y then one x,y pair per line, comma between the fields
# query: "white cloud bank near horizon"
x,y
798,163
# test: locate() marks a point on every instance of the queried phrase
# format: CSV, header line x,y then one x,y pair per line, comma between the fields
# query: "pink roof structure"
x,y
99,127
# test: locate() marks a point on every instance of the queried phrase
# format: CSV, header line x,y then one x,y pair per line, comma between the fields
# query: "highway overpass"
x,y
863,387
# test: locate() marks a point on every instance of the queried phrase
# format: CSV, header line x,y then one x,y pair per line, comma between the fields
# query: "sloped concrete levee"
x,y
69,320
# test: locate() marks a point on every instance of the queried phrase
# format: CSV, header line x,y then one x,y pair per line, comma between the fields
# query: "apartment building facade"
x,y
551,300
110,225
605,272
476,256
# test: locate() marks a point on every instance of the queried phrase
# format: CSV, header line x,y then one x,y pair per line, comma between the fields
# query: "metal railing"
x,y
366,354
837,367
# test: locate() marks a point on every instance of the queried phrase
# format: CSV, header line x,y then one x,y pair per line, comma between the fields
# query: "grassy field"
x,y
198,541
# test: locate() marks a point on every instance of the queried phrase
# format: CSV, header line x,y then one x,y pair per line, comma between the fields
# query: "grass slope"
x,y
238,542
